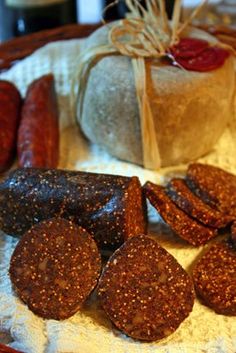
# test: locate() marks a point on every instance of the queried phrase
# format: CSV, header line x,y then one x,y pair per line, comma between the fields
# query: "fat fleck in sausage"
x,y
54,268
38,136
111,208
144,290
10,103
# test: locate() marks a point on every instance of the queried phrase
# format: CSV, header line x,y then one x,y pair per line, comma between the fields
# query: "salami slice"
x,y
112,208
54,268
184,226
214,277
183,197
214,186
144,290
10,104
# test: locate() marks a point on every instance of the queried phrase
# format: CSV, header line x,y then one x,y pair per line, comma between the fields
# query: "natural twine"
x,y
146,33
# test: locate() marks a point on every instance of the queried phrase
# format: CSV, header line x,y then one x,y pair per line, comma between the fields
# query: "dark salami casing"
x,y
10,104
38,136
111,208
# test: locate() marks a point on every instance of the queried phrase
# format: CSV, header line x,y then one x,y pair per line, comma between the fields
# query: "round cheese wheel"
x,y
190,109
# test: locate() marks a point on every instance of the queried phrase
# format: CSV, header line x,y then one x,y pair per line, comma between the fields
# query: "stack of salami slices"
x,y
197,208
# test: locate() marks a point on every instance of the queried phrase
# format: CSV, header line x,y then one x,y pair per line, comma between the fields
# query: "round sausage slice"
x,y
144,290
54,268
184,198
214,278
187,228
214,186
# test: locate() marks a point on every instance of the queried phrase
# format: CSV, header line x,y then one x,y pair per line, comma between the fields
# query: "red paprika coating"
x,y
38,136
10,103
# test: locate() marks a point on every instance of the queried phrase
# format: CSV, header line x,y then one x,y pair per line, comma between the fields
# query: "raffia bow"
x,y
145,34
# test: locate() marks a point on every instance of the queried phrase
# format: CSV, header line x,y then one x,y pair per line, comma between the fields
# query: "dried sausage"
x,y
144,290
6,349
184,226
184,198
54,268
10,104
38,135
214,278
214,186
112,208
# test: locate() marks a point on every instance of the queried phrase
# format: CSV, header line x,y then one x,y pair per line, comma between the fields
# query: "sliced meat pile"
x,y
215,278
144,291
54,268
195,208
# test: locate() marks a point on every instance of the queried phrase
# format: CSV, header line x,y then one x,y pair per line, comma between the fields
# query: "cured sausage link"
x,y
38,136
6,349
10,102
112,208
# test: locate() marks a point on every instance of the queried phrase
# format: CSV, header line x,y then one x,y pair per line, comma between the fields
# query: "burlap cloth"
x,y
89,331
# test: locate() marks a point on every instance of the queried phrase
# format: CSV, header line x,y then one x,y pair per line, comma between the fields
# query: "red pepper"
x,y
189,48
197,55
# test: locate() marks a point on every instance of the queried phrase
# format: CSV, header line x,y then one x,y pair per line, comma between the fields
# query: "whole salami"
x,y
54,268
38,136
10,103
111,208
144,290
